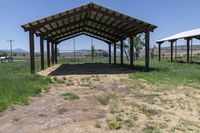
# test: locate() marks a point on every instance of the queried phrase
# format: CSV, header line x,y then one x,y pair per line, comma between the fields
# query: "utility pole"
x,y
11,42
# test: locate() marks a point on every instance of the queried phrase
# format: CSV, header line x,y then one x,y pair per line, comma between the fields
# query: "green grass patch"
x,y
165,72
70,96
17,84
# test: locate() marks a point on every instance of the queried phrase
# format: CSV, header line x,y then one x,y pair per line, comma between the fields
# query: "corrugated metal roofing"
x,y
186,34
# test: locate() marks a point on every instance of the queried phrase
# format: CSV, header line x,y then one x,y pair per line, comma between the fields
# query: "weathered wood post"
x,y
32,52
188,50
131,51
172,42
159,51
115,60
42,52
147,40
48,53
56,53
52,53
109,49
122,52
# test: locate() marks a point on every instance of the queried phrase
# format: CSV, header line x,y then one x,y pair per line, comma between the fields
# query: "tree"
x,y
138,45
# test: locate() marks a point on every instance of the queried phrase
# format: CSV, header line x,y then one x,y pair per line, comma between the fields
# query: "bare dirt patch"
x,y
106,103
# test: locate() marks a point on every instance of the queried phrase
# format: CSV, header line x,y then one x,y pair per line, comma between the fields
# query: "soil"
x,y
141,107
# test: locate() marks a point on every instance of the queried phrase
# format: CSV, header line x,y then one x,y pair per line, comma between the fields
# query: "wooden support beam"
x,y
42,52
56,53
109,49
52,54
32,52
176,51
131,51
115,53
191,49
48,54
188,50
147,40
122,52
172,42
159,51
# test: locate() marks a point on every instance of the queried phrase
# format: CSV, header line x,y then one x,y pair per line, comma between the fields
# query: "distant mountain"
x,y
17,50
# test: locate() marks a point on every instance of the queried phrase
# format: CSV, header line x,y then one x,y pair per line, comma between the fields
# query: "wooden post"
x,y
172,42
147,40
122,52
159,51
56,53
115,60
176,51
109,45
48,53
191,49
52,53
188,50
131,51
32,52
42,52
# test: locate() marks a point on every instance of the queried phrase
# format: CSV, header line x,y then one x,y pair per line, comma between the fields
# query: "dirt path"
x,y
129,106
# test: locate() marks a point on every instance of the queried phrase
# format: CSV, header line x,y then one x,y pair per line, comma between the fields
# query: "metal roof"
x,y
187,34
91,19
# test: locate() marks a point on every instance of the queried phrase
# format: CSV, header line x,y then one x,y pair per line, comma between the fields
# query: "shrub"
x,y
97,124
113,124
104,99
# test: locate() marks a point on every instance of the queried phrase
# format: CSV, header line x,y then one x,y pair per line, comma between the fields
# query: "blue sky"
x,y
171,16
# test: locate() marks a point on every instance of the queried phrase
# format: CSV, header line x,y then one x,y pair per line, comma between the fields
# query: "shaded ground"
x,y
134,104
85,69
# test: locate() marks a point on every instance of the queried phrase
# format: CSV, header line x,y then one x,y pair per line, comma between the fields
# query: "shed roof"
x,y
186,34
90,19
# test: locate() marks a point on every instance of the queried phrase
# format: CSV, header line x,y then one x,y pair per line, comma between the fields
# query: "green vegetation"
x,y
98,124
17,84
62,110
70,96
114,124
165,72
104,99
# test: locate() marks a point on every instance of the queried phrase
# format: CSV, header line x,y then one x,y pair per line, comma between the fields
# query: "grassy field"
x,y
17,84
165,72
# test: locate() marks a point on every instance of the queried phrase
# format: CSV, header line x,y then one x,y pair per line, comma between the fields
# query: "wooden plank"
x,y
42,52
147,40
32,52
68,15
85,26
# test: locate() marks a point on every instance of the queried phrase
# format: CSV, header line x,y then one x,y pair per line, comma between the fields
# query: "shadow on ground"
x,y
87,69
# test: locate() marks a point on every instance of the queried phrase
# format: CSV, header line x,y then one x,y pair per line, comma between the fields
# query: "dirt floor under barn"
x,y
106,103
